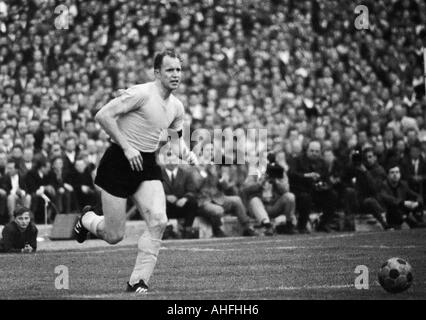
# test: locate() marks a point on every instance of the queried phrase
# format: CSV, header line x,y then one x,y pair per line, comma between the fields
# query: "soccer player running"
x,y
135,121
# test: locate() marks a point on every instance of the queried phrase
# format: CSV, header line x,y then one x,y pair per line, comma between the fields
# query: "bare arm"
x,y
107,118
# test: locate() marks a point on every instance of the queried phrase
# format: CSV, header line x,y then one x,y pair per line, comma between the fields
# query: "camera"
x,y
321,185
273,169
356,157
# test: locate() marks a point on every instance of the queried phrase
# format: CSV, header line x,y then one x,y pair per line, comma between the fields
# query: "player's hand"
x,y
134,157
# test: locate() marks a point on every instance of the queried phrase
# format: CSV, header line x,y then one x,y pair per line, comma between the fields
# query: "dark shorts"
x,y
116,177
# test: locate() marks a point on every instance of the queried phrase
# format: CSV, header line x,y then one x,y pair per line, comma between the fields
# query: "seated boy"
x,y
19,235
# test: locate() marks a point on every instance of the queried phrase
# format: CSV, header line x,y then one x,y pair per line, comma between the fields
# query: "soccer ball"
x,y
395,275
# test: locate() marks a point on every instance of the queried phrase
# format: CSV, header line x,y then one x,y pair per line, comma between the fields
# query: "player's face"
x,y
23,220
170,73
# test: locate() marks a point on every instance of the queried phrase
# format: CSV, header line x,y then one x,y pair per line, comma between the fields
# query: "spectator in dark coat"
x,y
377,172
309,181
413,169
335,170
20,235
38,187
70,154
4,216
81,181
361,193
16,188
63,191
402,203
179,187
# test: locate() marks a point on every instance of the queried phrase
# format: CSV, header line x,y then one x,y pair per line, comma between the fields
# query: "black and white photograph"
x,y
212,154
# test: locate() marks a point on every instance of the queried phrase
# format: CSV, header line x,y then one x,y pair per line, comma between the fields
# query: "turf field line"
x,y
209,291
287,248
389,247
293,288
204,249
259,240
224,241
374,284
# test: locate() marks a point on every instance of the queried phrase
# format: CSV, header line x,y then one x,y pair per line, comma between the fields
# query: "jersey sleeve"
x,y
133,97
177,123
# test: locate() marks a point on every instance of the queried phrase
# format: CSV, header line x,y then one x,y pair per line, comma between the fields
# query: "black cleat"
x,y
324,228
269,229
287,228
250,232
218,233
138,288
80,232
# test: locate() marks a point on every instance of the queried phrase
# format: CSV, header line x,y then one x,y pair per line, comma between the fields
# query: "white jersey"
x,y
145,126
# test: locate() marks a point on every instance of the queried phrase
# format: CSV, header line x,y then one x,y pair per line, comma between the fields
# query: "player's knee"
x,y
114,237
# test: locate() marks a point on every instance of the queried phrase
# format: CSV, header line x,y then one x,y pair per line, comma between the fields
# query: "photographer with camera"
x,y
269,196
310,182
361,192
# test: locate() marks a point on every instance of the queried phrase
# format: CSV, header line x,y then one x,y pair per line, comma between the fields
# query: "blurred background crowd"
x,y
324,90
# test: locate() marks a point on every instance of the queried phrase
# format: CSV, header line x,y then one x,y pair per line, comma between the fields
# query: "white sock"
x,y
91,220
265,221
148,249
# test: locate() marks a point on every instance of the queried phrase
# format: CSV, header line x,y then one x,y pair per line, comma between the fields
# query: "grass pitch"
x,y
316,266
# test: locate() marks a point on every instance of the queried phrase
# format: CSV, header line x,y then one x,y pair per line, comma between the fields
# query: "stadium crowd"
x,y
344,108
